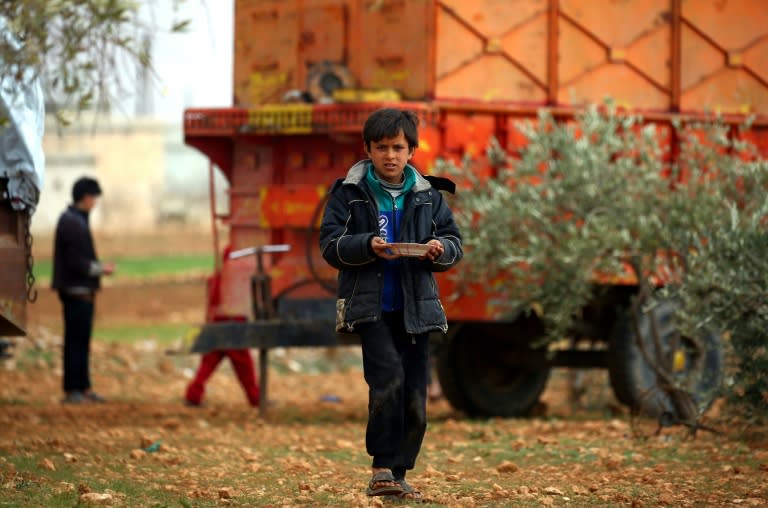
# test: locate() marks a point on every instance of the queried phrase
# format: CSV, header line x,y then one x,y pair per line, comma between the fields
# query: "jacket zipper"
x,y
394,219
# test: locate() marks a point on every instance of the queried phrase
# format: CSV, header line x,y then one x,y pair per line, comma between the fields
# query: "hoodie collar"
x,y
356,175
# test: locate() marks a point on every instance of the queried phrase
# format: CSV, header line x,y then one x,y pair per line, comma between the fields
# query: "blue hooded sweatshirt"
x,y
390,213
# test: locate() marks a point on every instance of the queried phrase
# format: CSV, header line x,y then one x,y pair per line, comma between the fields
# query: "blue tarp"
x,y
22,117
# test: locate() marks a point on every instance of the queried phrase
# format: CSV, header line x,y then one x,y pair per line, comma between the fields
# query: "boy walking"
x,y
391,301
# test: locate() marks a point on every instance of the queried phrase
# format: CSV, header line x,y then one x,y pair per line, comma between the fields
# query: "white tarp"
x,y
22,124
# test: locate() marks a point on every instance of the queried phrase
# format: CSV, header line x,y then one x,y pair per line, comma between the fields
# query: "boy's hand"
x,y
436,250
381,248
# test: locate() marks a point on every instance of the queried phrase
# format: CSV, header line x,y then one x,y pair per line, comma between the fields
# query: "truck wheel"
x,y
446,374
477,378
696,366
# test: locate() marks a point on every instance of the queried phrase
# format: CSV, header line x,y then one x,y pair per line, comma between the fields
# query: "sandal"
x,y
409,492
384,484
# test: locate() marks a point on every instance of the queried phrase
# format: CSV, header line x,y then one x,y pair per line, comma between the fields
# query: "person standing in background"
x,y
76,277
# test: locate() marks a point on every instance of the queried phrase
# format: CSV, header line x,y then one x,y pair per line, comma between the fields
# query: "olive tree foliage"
x,y
725,274
599,200
80,50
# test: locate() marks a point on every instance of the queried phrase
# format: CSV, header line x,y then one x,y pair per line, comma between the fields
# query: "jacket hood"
x,y
356,175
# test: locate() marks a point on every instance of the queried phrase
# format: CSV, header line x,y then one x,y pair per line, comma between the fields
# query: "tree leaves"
x,y
584,200
81,49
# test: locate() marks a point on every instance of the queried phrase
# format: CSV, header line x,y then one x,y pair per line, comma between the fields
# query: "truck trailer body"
x,y
307,73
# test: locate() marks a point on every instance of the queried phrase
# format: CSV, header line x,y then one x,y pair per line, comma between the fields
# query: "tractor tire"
x,y
477,380
450,385
637,384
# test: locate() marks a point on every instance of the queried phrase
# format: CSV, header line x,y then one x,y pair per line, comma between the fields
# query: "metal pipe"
x,y
553,41
675,57
215,229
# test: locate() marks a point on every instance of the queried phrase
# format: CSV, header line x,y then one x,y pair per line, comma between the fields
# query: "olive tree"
x,y
725,270
78,49
600,200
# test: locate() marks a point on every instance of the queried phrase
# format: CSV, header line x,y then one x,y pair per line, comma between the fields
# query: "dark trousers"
x,y
395,367
78,325
242,362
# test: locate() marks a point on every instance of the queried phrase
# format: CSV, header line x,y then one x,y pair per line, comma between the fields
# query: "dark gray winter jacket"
x,y
76,268
351,221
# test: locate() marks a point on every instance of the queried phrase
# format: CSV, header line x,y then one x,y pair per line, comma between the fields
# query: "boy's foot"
x,y
82,397
383,484
92,396
74,397
409,492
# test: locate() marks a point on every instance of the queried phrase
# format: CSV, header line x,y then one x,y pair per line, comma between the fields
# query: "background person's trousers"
x,y
395,367
78,325
242,362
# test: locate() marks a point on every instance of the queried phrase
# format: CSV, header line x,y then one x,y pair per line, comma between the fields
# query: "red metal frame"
x,y
274,200
201,123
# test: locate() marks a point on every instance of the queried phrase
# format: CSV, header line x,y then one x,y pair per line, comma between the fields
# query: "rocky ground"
x,y
145,448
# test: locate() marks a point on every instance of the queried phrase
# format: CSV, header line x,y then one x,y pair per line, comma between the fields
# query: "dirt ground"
x,y
145,448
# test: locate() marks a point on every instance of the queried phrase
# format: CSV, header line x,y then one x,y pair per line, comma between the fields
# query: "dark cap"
x,y
85,187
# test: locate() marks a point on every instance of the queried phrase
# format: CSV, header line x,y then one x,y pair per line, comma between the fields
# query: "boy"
x,y
392,302
77,276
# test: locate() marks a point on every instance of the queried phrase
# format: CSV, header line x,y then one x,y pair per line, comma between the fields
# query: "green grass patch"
x,y
163,333
143,267
31,358
34,487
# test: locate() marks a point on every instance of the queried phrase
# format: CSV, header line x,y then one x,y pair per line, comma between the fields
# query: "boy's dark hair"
x,y
85,187
387,123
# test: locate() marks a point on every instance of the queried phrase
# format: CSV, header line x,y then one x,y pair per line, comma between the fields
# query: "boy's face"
x,y
389,157
87,203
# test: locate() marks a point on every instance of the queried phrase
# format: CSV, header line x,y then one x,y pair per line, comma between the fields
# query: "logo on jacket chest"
x,y
383,226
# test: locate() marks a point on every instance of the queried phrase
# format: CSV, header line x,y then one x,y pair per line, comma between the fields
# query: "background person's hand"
x,y
381,248
108,268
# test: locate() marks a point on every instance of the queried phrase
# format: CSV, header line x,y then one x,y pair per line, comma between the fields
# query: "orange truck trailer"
x,y
307,73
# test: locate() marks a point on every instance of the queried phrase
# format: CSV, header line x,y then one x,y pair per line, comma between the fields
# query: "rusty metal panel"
x,y
725,56
653,55
492,50
390,43
293,44
277,42
661,55
322,50
276,206
266,38
13,294
252,167
323,31
615,48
